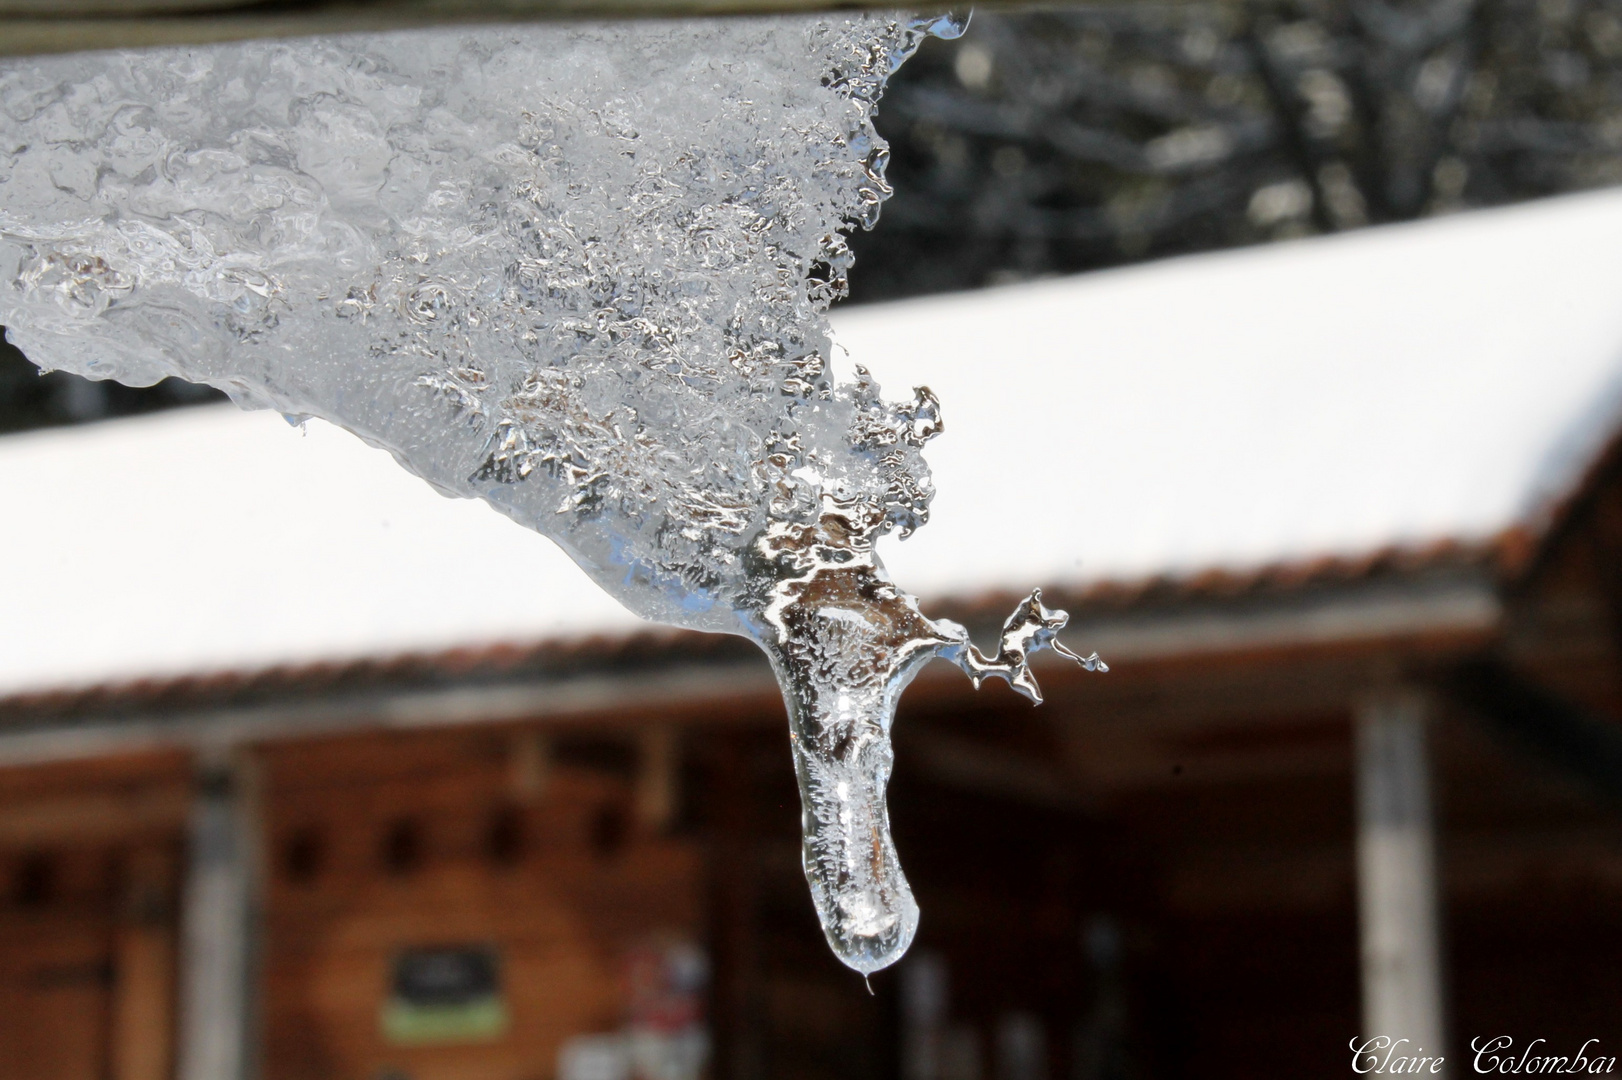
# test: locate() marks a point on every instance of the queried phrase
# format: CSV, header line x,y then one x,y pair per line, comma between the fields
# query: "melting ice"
x,y
577,271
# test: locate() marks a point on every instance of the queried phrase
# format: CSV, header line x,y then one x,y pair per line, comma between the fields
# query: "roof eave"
x,y
1453,608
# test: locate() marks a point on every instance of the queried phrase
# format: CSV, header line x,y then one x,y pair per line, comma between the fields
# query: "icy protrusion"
x,y
1031,628
578,271
845,642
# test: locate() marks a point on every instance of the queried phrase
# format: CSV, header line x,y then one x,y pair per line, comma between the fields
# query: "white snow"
x,y
210,538
1400,385
1441,380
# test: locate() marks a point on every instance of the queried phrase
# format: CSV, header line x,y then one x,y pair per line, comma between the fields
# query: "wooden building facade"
x,y
1164,872
1312,803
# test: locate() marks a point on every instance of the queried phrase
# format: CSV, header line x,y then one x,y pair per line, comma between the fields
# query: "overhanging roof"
x,y
1448,380
1259,420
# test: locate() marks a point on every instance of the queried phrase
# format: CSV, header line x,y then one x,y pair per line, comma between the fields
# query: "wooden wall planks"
x,y
560,878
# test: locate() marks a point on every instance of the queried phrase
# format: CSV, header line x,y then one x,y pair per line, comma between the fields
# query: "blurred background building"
x,y
307,773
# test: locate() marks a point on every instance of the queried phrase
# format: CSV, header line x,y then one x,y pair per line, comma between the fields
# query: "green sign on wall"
x,y
445,994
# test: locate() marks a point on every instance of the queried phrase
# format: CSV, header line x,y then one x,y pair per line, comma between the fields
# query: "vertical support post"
x,y
1397,882
735,912
658,760
924,999
143,960
218,1035
531,764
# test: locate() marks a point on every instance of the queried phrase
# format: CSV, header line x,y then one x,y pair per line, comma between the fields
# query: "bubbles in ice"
x,y
845,642
578,271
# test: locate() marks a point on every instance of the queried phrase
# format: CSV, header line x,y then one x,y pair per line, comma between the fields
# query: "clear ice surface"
x,y
578,271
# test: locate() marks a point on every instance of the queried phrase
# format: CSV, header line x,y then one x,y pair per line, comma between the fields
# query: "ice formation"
x,y
577,271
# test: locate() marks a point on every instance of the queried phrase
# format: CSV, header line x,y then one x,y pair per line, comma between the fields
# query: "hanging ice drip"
x,y
577,271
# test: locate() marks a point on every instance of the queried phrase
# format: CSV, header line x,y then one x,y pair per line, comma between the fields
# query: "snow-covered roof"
x,y
1402,385
209,538
1438,381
